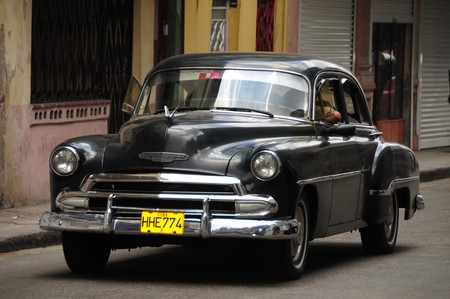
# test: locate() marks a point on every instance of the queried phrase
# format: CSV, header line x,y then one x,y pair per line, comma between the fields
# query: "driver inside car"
x,y
325,108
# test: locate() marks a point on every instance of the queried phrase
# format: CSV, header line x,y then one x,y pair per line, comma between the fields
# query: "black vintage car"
x,y
277,148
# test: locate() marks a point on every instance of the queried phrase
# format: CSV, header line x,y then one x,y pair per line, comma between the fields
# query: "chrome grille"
x,y
134,193
199,197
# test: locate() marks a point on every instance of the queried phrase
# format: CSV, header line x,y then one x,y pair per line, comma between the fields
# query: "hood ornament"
x,y
167,112
163,157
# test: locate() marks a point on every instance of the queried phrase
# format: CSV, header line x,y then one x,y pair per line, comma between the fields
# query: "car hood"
x,y
200,141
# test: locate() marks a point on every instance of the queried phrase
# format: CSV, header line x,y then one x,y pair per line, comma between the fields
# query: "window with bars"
x,y
81,51
219,26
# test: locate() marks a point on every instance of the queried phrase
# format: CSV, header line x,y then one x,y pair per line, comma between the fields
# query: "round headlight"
x,y
64,160
265,165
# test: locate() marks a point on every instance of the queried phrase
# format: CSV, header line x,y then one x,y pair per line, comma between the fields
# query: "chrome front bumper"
x,y
204,228
250,215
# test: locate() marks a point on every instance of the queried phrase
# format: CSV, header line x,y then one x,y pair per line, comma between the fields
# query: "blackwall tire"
x,y
381,238
85,253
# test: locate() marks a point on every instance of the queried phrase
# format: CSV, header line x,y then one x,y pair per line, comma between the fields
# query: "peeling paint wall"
x,y
2,99
28,133
17,58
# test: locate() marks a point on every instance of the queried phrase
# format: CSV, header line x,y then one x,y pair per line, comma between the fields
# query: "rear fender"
x,y
395,169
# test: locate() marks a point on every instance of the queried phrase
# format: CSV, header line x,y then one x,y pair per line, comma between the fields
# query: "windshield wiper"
x,y
240,109
178,109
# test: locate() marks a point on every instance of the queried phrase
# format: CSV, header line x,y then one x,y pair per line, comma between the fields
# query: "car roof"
x,y
289,62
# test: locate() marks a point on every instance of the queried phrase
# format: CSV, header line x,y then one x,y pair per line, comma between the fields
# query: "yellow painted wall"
x,y
197,26
233,28
18,50
280,26
144,17
2,100
247,25
241,26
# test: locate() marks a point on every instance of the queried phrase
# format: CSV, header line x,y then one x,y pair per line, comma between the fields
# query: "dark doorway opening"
x,y
392,67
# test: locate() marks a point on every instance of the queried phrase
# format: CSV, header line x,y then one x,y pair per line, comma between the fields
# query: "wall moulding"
x,y
54,113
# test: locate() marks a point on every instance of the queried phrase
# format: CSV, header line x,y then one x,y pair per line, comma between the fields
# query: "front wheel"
x,y
381,238
85,253
289,256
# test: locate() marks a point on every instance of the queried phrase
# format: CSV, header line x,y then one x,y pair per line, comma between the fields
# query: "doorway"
x,y
392,49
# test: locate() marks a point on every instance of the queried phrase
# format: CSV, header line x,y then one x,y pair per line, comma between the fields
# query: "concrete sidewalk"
x,y
19,227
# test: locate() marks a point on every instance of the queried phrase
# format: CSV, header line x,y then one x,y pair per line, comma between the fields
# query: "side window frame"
x,y
351,88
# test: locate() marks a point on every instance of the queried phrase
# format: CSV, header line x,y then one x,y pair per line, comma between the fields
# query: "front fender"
x,y
91,151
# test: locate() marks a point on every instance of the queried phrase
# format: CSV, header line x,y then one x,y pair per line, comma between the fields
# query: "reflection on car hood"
x,y
199,141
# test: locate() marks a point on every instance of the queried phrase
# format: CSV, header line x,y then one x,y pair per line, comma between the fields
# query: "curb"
x,y
434,175
41,239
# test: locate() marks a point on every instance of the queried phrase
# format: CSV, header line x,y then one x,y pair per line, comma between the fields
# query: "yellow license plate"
x,y
169,223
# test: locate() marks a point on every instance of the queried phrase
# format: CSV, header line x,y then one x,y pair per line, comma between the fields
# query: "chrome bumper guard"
x,y
205,228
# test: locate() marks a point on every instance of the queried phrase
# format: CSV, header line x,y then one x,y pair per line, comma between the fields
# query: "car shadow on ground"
x,y
246,264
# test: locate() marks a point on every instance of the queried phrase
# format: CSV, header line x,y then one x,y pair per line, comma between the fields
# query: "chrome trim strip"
x,y
173,178
330,177
235,228
392,186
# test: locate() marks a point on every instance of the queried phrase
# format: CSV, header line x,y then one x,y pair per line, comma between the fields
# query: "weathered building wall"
x,y
243,21
197,26
2,99
144,19
28,133
17,57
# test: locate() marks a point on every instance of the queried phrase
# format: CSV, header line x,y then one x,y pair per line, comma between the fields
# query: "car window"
x,y
326,105
353,98
277,92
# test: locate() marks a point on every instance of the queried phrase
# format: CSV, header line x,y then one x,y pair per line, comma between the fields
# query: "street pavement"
x,y
19,227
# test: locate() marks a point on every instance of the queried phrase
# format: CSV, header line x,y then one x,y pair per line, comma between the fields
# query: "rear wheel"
x,y
381,238
289,256
85,253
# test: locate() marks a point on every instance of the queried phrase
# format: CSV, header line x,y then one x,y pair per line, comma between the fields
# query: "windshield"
x,y
275,92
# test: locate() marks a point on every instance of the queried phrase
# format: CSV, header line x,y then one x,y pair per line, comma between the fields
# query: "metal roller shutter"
x,y
326,30
387,11
434,117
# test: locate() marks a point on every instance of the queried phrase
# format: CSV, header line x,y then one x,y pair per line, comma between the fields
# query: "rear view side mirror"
x,y
132,96
341,129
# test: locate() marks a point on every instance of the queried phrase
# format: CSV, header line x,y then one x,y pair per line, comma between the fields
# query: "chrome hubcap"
x,y
297,243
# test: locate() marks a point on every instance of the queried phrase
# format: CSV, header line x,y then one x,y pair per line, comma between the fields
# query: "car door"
x,y
346,154
366,135
346,166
